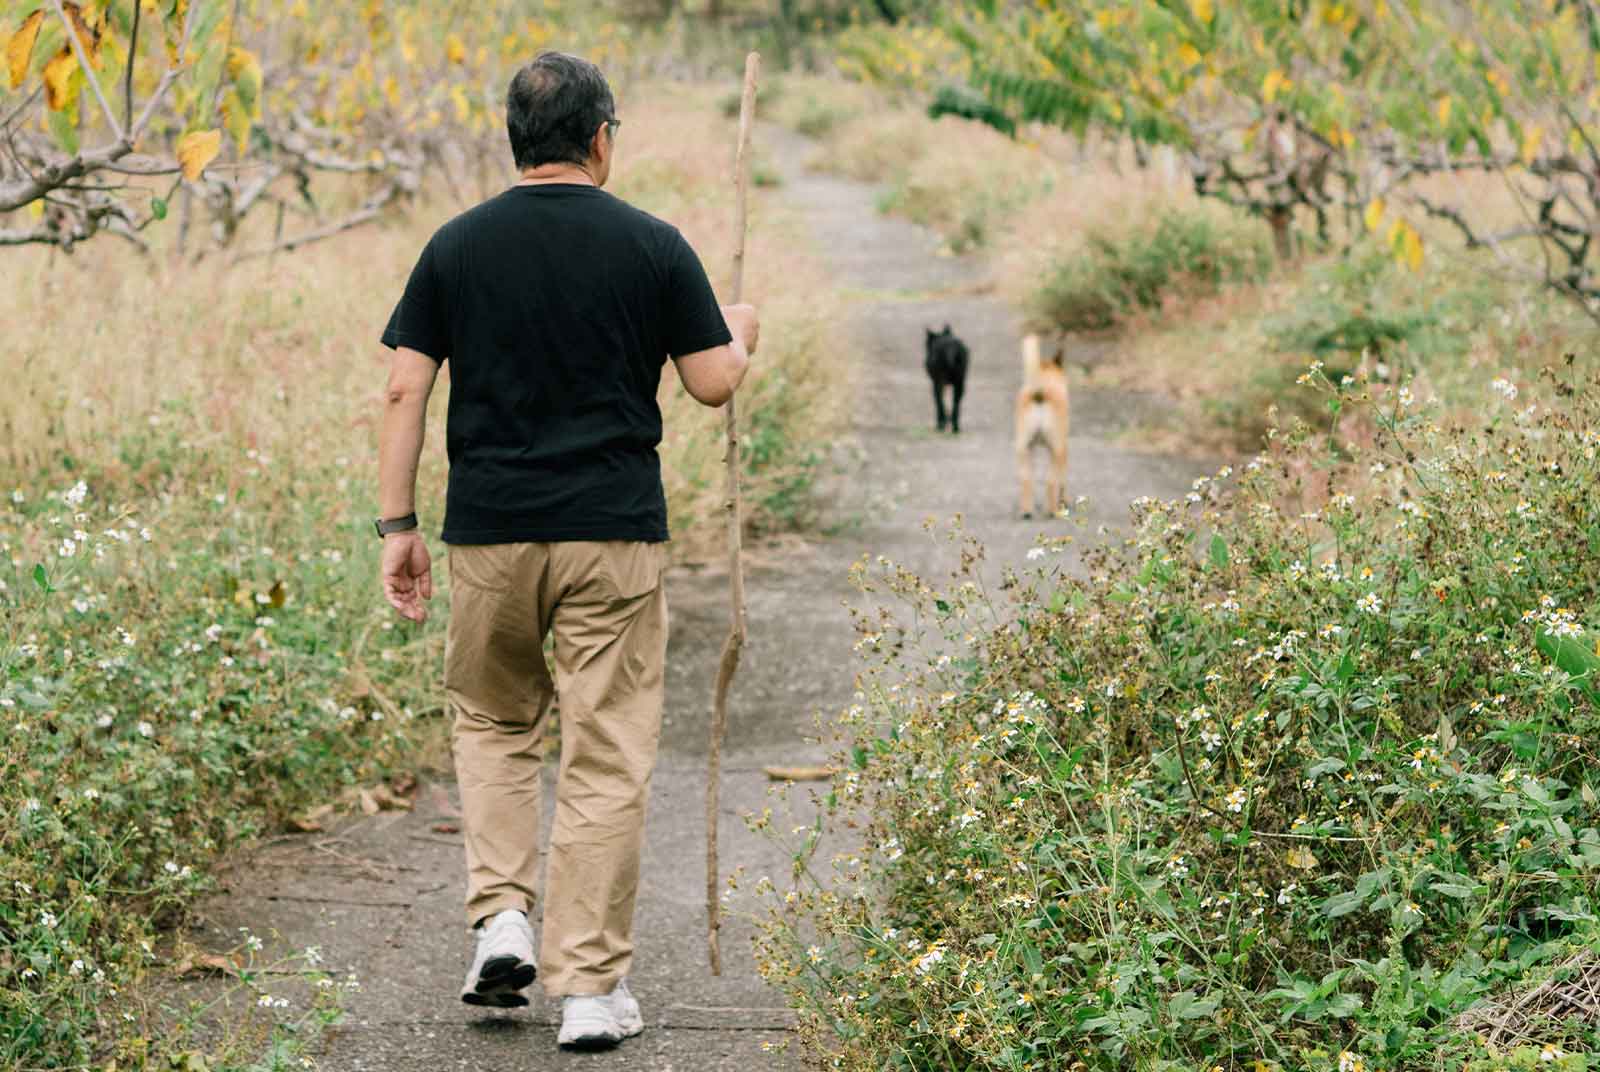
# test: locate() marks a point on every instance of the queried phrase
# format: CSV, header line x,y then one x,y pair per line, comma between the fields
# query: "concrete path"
x,y
381,897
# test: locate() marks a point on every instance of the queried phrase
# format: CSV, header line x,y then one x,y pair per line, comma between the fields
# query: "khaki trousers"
x,y
605,604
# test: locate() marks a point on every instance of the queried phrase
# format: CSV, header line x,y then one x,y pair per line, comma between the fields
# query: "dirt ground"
x,y
381,897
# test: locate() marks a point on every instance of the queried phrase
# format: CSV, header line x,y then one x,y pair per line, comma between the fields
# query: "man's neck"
x,y
568,174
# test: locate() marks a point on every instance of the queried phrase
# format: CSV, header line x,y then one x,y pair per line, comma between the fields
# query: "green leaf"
x,y
64,129
1342,904
1573,656
1371,881
1219,551
41,578
158,207
1187,1005
1347,667
1326,765
1451,889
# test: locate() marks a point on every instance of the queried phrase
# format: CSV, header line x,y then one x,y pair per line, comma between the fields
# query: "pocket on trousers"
x,y
485,566
628,571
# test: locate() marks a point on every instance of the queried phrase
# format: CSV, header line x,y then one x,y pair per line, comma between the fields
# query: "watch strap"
x,y
385,526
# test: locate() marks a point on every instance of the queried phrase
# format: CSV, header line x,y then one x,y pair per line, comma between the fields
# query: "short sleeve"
x,y
693,318
420,320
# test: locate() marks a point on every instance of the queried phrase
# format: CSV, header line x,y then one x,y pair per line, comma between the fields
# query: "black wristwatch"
x,y
395,524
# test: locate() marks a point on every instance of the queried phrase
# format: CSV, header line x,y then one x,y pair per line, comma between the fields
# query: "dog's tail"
x,y
1032,365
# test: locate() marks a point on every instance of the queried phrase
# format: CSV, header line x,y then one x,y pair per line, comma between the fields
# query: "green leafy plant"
x,y
1287,779
1119,275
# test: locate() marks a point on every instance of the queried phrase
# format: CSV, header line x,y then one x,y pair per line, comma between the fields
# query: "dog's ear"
x,y
931,334
1059,359
946,330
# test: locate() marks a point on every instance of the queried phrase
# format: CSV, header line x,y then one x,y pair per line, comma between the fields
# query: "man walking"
x,y
556,306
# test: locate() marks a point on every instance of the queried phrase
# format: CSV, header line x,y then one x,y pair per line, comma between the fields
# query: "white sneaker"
x,y
596,1022
503,964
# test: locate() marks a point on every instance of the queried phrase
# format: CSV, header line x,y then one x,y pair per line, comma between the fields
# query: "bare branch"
x,y
88,71
369,211
127,78
14,195
40,235
22,106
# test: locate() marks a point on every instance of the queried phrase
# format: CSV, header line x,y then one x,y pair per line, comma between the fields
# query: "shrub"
x,y
1357,305
1287,781
1119,275
1362,310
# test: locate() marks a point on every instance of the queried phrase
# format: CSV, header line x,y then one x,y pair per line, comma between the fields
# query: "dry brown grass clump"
x,y
1544,1012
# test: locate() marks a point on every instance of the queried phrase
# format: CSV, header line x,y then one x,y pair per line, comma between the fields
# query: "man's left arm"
x,y
407,569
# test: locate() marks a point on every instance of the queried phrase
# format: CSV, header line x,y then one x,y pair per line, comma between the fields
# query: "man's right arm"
x,y
711,376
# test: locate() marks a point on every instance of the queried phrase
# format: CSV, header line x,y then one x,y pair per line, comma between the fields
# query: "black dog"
x,y
946,362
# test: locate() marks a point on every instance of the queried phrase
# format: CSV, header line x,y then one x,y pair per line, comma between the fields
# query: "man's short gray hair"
x,y
553,108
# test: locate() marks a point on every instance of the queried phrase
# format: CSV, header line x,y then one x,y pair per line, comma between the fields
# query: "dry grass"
x,y
1216,357
959,177
282,357
814,105
1546,1012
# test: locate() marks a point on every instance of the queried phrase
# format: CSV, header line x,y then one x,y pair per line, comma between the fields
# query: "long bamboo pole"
x,y
734,645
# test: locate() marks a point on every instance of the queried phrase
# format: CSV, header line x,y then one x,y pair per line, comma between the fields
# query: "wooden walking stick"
x,y
736,635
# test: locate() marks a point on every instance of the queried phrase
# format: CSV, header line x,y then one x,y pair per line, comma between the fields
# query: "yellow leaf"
x,y
245,70
1271,84
1188,55
454,49
19,50
175,20
299,10
1411,248
1374,214
1203,10
236,118
58,78
1442,109
196,149
1531,139
1303,859
87,30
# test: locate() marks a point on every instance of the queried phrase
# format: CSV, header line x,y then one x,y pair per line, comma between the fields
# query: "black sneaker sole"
x,y
592,1045
498,982
497,999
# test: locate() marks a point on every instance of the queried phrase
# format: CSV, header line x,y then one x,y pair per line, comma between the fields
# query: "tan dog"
x,y
1042,421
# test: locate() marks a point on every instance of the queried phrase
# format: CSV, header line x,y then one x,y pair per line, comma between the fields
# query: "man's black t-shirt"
x,y
556,306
